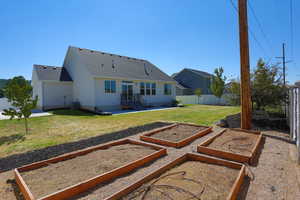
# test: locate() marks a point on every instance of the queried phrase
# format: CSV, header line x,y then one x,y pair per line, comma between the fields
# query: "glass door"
x,y
127,91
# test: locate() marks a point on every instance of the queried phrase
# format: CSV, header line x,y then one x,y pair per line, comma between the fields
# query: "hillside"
x,y
3,82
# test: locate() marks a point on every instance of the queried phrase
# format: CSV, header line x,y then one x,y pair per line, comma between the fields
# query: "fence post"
x,y
291,113
298,123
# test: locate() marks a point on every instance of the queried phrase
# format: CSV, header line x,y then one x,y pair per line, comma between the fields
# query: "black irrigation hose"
x,y
152,187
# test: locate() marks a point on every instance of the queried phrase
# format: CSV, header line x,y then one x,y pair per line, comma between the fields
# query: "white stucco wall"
x,y
57,94
111,101
83,83
37,89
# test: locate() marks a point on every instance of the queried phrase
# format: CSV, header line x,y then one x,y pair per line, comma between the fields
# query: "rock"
x,y
222,123
234,121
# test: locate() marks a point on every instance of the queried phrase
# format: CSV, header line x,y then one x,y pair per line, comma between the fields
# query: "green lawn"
x,y
66,125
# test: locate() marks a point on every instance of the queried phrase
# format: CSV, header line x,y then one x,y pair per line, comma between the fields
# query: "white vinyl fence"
x,y
206,99
294,116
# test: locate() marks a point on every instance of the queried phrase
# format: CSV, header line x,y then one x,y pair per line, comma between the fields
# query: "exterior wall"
x,y
160,98
83,83
37,89
89,91
107,101
57,95
193,81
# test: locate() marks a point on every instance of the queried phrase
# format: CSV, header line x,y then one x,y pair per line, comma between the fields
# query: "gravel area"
x,y
177,133
274,175
57,176
235,142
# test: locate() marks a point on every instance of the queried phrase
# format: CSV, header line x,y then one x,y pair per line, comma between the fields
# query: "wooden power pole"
x,y
245,66
283,63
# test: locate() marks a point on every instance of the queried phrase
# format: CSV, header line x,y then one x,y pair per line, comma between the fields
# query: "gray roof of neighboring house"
x,y
178,85
124,67
51,73
201,73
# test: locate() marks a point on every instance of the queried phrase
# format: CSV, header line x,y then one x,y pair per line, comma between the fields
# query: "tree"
x,y
198,93
234,92
1,93
267,86
18,92
218,82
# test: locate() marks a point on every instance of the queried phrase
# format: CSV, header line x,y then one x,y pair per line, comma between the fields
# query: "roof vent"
x,y
113,64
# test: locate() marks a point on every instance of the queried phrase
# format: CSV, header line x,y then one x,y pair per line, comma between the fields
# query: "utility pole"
x,y
283,63
246,117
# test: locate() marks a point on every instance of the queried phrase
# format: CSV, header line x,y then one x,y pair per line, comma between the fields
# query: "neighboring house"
x,y
4,104
180,90
101,81
190,80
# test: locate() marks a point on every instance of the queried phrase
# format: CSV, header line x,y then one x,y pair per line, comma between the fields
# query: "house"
x,y
190,79
101,81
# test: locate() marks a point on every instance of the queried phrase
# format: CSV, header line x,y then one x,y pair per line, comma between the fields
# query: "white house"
x,y
101,81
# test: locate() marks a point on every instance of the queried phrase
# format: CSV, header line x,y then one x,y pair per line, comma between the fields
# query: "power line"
x,y
251,32
260,25
292,29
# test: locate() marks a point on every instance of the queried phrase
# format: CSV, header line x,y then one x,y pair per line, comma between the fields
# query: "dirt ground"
x,y
178,133
275,176
190,180
57,176
235,142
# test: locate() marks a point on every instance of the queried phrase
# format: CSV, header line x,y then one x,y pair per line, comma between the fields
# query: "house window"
x,y
168,89
153,89
148,89
142,88
110,86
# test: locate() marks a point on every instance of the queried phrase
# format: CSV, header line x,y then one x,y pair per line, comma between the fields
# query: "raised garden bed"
x,y
233,144
191,176
70,174
176,135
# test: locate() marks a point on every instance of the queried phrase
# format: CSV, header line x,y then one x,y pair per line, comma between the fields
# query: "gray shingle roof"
x,y
52,73
120,66
201,73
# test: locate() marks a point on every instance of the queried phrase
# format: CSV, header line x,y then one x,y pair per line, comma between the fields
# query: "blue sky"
x,y
199,34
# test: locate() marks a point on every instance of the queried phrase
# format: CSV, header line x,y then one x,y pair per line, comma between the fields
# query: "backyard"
x,y
68,125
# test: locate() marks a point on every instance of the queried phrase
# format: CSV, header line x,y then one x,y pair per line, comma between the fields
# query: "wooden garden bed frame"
x,y
203,148
187,157
92,182
147,137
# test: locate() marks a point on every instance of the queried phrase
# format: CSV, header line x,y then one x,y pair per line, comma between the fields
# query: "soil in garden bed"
x,y
57,176
235,142
189,181
178,133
